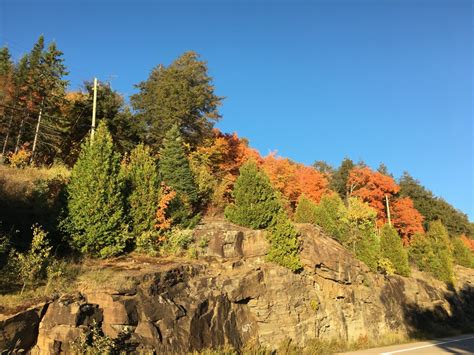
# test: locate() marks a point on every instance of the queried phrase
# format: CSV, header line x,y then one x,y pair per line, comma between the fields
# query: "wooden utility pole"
x,y
36,132
94,106
388,210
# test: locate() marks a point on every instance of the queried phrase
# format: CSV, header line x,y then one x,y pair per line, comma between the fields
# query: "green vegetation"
x,y
256,203
284,244
95,199
461,253
305,210
391,247
329,214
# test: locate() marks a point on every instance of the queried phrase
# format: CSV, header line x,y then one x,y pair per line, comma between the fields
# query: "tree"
x,y
305,210
181,95
95,199
284,244
441,264
391,247
339,178
174,166
143,187
462,254
324,168
256,205
406,218
373,188
433,208
329,214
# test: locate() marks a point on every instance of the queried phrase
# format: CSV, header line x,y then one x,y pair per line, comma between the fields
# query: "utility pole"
x,y
388,210
94,107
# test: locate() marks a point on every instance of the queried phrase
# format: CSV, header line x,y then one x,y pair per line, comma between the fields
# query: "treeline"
x,y
154,169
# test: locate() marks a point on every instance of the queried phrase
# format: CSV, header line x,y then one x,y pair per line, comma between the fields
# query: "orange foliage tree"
x,y
292,179
373,187
468,242
406,218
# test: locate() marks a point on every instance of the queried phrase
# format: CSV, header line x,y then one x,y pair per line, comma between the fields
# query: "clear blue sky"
x,y
376,80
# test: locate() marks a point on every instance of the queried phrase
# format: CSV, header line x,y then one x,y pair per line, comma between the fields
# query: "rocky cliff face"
x,y
231,296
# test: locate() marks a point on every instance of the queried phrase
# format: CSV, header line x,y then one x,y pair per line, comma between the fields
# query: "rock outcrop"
x,y
231,296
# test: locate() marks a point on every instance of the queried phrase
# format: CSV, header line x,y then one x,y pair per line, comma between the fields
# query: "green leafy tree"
x,y
32,264
181,94
284,244
323,167
305,210
143,187
391,247
256,204
420,251
338,181
95,198
441,266
461,253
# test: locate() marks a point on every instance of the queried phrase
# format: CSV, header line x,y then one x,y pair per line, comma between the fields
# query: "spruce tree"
x,y
95,199
461,253
256,204
391,247
174,166
143,186
329,215
305,210
339,178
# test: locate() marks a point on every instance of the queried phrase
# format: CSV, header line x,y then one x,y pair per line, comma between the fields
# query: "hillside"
x,y
231,298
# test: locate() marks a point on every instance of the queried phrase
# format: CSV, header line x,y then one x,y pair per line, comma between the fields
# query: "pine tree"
x,y
143,186
305,210
256,204
174,167
181,94
284,244
329,214
391,247
461,253
95,199
339,178
441,265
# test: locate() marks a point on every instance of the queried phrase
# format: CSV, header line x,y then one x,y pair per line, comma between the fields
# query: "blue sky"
x,y
384,81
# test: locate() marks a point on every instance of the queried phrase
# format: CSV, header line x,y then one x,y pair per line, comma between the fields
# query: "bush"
x,y
31,265
329,214
21,158
143,190
256,204
284,244
177,240
461,253
391,248
305,210
95,199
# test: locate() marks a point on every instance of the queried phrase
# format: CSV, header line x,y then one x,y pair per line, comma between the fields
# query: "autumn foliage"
x,y
468,242
293,180
406,219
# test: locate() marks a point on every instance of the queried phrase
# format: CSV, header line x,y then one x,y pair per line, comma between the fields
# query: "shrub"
x,y
385,266
462,254
391,248
31,265
95,199
305,210
148,243
21,158
177,240
284,244
329,214
143,190
256,204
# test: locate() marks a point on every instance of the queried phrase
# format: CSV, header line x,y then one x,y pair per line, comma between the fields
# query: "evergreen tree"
x,y
329,215
338,182
143,186
391,247
420,251
174,167
95,198
367,247
284,244
434,208
461,253
305,210
181,94
323,167
441,265
256,204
